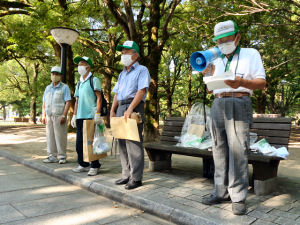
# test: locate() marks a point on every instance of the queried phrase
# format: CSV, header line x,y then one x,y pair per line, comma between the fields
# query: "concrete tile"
x,y
262,222
261,215
285,221
12,185
8,214
36,193
56,204
283,214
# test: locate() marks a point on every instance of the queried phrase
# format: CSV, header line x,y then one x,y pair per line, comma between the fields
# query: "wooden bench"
x,y
275,130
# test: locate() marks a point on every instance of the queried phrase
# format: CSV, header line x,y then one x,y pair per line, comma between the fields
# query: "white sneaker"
x,y
62,161
50,159
80,169
93,171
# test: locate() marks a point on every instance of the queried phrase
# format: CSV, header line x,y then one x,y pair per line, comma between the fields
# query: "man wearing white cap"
x,y
56,103
232,116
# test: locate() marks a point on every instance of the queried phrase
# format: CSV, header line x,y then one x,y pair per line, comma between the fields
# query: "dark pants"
x,y
79,146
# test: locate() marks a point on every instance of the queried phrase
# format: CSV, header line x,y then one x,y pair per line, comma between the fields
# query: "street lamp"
x,y
64,37
283,82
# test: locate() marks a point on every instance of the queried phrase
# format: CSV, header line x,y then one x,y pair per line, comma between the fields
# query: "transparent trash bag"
x,y
102,142
195,131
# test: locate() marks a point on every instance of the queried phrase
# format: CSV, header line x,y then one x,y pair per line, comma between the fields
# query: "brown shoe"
x,y
239,208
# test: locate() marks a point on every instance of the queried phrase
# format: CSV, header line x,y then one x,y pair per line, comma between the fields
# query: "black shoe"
x,y
133,184
212,200
121,181
239,208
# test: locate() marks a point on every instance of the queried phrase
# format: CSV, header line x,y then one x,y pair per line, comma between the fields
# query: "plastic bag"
x,y
265,148
195,131
253,138
101,144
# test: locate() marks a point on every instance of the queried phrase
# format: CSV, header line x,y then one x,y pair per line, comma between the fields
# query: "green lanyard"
x,y
237,50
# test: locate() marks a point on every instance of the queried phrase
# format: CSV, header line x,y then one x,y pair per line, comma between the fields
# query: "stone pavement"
x,y
172,195
30,197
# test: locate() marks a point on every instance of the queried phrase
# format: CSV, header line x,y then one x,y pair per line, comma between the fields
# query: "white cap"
x,y
56,69
225,29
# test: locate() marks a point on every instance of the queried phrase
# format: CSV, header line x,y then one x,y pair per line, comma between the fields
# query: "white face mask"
x,y
227,47
82,70
126,60
55,78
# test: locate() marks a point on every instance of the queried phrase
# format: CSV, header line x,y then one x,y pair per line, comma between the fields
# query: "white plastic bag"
x,y
193,133
101,144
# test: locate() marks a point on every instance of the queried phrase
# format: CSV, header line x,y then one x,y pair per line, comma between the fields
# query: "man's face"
x,y
83,63
226,39
131,52
55,73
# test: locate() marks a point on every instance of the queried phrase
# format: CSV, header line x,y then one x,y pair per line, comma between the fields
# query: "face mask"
x,y
82,70
227,47
126,60
55,78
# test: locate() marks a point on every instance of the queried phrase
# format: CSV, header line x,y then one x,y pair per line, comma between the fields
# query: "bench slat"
x,y
171,128
271,126
171,133
272,120
275,140
174,123
252,157
272,133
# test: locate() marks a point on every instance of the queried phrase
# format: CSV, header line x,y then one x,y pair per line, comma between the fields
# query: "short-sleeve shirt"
x,y
247,64
65,89
87,105
129,83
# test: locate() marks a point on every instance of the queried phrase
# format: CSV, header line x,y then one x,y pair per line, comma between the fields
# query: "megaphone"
x,y
201,59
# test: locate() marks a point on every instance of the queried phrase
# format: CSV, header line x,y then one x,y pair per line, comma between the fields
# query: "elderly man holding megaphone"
x,y
231,111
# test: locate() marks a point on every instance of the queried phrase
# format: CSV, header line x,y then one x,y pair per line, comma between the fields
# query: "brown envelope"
x,y
196,129
124,130
88,138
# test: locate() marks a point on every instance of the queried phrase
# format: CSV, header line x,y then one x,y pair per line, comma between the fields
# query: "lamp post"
x,y
283,82
64,37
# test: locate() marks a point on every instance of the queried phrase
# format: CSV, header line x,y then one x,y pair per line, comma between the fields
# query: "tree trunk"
x,y
169,105
107,90
33,94
4,112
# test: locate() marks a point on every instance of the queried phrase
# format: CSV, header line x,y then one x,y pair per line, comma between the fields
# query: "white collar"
x,y
88,76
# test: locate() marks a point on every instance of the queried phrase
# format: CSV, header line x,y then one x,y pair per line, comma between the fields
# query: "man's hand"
x,y
73,121
127,113
112,114
62,119
209,70
235,83
97,119
44,120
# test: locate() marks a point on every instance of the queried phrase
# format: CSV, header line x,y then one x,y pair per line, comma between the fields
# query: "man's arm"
x,y
257,83
114,106
137,99
44,121
99,101
75,107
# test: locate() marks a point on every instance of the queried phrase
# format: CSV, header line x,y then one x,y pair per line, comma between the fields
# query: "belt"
x,y
126,101
232,94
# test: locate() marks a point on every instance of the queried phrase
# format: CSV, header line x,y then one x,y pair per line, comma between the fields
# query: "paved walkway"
x,y
34,198
174,195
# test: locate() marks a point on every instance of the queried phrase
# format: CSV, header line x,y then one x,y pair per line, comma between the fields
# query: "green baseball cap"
x,y
129,45
77,59
225,29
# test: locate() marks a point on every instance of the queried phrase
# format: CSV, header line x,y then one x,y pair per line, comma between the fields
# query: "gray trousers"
x,y
132,152
56,137
231,118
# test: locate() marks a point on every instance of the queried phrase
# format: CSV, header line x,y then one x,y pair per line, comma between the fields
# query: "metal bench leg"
x,y
264,176
208,168
159,161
